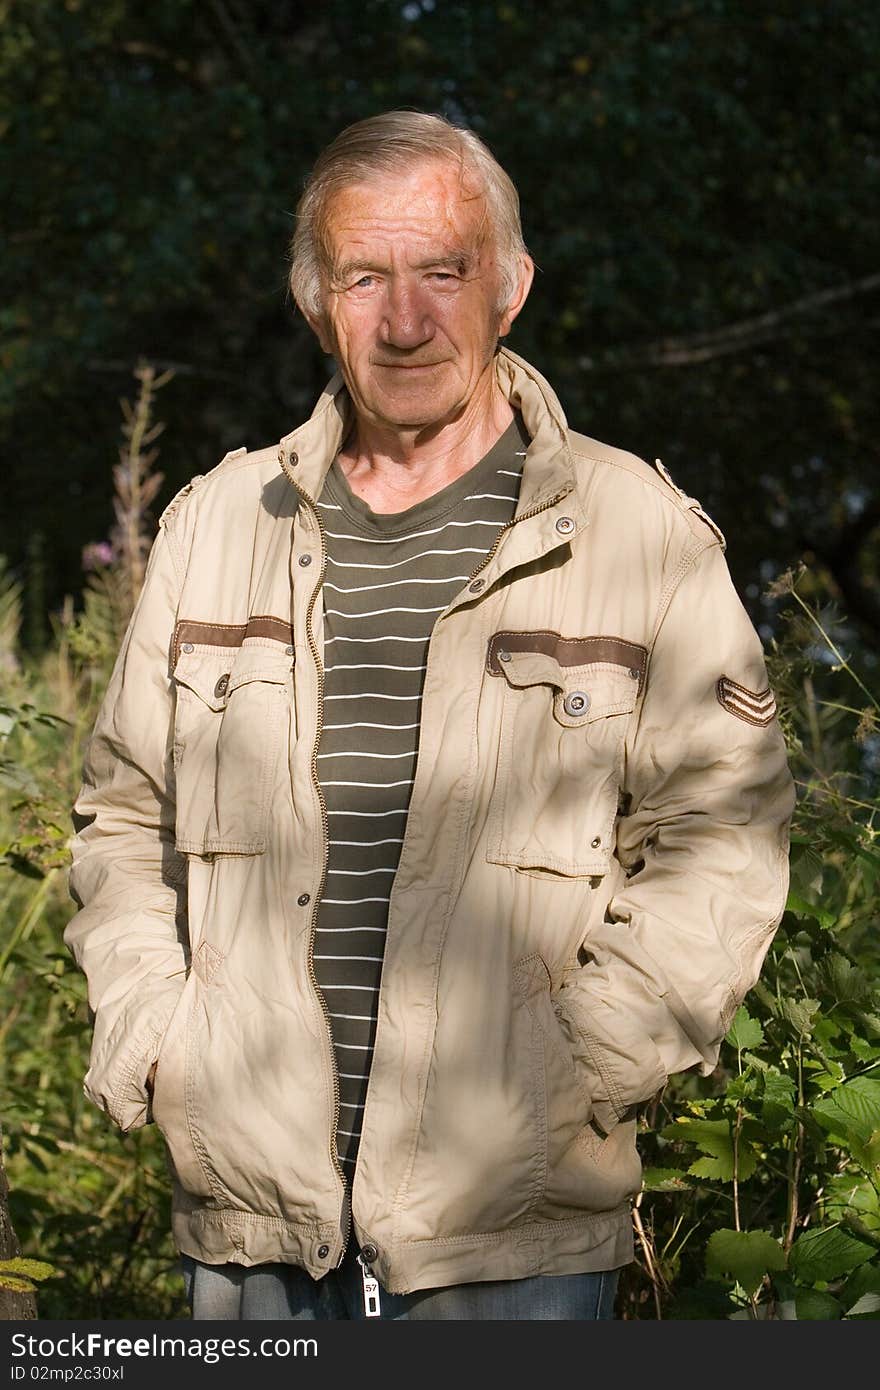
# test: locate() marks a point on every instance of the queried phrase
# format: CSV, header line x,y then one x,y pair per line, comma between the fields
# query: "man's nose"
x,y
406,322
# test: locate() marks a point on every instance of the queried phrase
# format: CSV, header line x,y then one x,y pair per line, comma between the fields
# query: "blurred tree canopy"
x,y
699,181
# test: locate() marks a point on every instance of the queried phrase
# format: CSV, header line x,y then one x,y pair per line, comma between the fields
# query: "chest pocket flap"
x,y
582,694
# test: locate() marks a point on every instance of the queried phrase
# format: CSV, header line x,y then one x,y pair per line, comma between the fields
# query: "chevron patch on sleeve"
x,y
755,707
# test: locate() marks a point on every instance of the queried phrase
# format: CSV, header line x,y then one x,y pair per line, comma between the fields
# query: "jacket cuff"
x,y
619,1074
127,1102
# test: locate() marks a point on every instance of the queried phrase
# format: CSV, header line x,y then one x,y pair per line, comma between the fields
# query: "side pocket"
x,y
561,1077
169,1096
585,1172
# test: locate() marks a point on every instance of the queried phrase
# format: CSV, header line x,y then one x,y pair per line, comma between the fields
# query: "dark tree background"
x,y
699,181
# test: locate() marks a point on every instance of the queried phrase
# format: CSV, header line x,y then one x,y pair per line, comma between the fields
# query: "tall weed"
x,y
89,1201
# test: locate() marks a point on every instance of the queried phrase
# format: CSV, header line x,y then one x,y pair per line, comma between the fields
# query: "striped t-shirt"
x,y
388,578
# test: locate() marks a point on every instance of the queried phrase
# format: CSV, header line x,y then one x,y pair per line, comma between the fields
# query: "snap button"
x,y
304,899
187,647
294,460
323,1252
288,651
634,673
477,585
596,842
504,656
565,526
222,686
370,1253
305,560
578,702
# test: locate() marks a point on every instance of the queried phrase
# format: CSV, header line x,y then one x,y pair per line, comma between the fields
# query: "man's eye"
x,y
442,275
364,282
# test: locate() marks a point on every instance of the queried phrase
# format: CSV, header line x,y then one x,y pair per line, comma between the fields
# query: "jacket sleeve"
x,y
703,840
127,876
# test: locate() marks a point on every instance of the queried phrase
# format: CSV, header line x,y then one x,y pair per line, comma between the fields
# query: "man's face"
x,y
411,296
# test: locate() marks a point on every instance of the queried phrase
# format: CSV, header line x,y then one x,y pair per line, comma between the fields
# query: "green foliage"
x,y
90,1206
780,1148
745,1255
824,1255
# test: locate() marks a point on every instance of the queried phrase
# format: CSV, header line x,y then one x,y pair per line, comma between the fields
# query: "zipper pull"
x,y
371,1290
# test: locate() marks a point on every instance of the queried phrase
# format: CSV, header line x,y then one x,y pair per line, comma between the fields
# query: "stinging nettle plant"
x,y
762,1194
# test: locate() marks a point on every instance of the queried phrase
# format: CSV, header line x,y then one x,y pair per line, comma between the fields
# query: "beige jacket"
x,y
594,864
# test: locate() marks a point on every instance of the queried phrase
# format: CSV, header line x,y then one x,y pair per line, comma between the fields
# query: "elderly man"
x,y
437,809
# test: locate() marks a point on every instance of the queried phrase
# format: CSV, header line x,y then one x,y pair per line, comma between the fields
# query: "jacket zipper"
x,y
325,824
319,666
509,525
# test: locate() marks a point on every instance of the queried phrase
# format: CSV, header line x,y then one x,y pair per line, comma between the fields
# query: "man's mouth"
x,y
409,366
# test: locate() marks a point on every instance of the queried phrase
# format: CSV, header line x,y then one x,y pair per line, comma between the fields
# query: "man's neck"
x,y
392,470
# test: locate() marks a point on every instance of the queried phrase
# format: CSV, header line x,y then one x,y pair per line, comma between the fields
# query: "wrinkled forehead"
x,y
437,198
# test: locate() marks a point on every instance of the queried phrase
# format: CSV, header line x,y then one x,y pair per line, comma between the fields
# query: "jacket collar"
x,y
306,453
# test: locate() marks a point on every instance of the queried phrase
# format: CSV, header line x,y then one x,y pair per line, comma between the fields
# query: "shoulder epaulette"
x,y
690,502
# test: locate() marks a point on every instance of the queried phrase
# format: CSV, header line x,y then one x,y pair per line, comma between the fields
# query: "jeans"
x,y
285,1292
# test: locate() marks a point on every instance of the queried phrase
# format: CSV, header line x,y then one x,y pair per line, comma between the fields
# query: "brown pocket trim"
x,y
229,634
569,651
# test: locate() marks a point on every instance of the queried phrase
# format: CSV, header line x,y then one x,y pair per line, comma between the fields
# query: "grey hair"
x,y
393,143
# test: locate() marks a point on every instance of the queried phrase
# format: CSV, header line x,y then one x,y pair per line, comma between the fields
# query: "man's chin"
x,y
420,411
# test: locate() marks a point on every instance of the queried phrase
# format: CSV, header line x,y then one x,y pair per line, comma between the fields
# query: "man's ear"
x,y
321,329
519,296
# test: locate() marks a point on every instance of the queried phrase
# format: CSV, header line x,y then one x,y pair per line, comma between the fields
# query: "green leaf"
x,y
766,998
863,1283
755,1061
868,1306
745,1256
860,1098
826,1254
864,1051
801,908
777,1105
812,1305
712,1169
824,1080
801,1014
853,1194
713,1137
851,1115
742,1087
745,1031
846,983
807,867
722,1169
